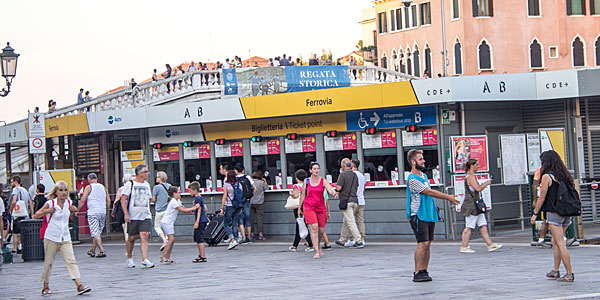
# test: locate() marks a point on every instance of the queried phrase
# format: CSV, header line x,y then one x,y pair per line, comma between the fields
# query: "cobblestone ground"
x,y
268,271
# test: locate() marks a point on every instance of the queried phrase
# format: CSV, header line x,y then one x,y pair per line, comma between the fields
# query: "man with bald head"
x,y
347,186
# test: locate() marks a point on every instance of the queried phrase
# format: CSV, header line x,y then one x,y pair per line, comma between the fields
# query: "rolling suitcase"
x,y
215,230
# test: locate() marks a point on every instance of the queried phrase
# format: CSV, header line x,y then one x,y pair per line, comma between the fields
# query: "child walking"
x,y
201,221
168,221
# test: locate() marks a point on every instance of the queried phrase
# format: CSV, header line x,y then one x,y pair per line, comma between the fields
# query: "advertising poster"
x,y
264,148
553,139
260,81
420,138
306,78
197,152
533,152
230,82
459,189
467,147
166,153
344,142
513,153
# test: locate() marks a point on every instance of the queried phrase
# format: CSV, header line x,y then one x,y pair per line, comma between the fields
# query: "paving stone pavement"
x,y
268,271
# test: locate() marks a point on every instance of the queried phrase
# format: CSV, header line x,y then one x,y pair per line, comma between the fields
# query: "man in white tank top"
x,y
97,198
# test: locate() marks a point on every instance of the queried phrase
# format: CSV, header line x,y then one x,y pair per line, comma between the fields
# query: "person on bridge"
x,y
422,212
474,218
97,199
57,238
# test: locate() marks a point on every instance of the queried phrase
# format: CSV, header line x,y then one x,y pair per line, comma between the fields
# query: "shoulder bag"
x,y
344,203
293,203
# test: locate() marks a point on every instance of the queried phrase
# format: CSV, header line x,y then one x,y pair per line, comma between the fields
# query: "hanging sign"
x,y
166,153
467,147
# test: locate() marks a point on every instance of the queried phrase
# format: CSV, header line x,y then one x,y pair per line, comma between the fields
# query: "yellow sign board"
x,y
330,100
275,126
50,177
554,139
66,125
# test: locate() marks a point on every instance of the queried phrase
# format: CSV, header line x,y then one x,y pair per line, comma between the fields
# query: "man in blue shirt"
x,y
80,97
422,212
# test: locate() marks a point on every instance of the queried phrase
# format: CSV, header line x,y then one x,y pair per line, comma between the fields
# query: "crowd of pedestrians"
x,y
242,206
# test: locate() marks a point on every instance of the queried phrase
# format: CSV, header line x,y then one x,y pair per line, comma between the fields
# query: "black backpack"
x,y
247,187
568,202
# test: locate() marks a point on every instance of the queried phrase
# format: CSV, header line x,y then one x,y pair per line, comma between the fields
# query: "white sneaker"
x,y
309,249
147,264
494,247
466,250
130,263
232,245
349,243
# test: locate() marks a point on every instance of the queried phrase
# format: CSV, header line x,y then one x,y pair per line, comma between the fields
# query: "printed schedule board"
x,y
467,147
513,153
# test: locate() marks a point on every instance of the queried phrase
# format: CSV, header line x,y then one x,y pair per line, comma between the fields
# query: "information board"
x,y
467,147
533,152
513,153
459,189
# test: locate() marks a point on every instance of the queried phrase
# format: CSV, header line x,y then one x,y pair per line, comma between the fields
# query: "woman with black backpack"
x,y
555,177
230,207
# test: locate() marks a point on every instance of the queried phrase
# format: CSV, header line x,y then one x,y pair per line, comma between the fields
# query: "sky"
x,y
97,45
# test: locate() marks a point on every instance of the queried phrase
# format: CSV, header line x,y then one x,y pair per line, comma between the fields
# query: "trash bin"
x,y
33,246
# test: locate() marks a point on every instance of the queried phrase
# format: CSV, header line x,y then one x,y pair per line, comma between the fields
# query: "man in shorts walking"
x,y
135,200
97,199
422,212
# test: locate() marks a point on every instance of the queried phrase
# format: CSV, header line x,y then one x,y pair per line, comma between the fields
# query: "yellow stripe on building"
x,y
67,125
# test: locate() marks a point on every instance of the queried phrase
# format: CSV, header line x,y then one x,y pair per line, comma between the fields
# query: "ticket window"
x,y
266,158
336,149
300,152
425,139
381,160
231,153
197,164
166,159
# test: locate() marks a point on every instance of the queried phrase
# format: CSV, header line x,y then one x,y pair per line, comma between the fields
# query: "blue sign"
x,y
391,118
306,78
230,82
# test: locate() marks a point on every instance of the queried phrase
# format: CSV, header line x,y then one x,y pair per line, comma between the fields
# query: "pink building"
x,y
512,36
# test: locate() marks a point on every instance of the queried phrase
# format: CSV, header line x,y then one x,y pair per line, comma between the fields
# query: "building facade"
x,y
482,38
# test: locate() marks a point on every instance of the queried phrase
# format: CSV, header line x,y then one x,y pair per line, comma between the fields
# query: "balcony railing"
x,y
208,81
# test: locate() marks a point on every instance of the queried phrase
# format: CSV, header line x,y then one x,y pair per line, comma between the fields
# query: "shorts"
x,y
315,217
245,217
199,233
424,231
16,225
558,220
167,228
475,221
136,226
96,223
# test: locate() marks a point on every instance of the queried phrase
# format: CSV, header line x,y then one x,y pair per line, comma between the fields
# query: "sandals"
x,y
47,292
101,254
167,261
91,254
199,259
81,289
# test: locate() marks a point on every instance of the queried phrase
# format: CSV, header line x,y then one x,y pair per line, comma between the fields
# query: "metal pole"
x,y
444,51
463,122
520,191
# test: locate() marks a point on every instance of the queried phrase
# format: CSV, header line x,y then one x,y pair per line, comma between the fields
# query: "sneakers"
x,y
350,243
340,243
543,244
292,249
494,247
309,249
326,247
146,264
247,241
567,278
358,245
553,274
466,250
570,242
421,276
232,245
130,263
162,247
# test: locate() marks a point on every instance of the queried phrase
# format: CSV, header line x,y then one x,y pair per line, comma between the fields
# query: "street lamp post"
x,y
8,64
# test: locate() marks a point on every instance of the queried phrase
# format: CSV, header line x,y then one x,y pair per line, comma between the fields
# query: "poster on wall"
x,y
166,153
553,139
420,138
196,152
306,144
229,150
459,189
467,147
344,142
386,139
533,152
265,148
513,153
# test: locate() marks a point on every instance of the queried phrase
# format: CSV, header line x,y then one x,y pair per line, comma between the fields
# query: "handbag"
x,y
292,203
302,230
20,209
480,205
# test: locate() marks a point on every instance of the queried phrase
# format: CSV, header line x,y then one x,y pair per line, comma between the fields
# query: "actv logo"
x,y
169,133
112,119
